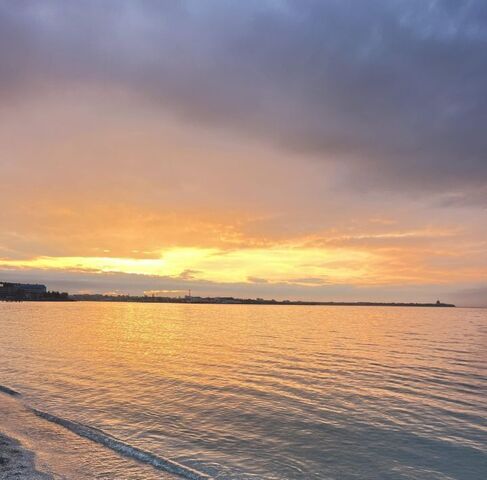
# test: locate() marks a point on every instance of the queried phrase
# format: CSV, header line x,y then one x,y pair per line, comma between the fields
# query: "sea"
x,y
167,391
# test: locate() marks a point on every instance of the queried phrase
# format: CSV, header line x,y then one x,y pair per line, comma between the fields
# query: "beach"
x,y
17,457
32,448
16,462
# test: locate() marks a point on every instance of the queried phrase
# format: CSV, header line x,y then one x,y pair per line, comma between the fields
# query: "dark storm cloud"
x,y
392,91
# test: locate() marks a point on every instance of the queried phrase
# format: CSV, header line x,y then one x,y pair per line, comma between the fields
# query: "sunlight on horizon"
x,y
307,266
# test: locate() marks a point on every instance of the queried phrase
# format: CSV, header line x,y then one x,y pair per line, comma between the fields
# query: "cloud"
x,y
188,274
472,296
392,92
256,280
121,283
134,127
164,293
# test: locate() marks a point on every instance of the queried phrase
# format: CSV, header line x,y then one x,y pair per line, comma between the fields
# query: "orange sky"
x,y
105,189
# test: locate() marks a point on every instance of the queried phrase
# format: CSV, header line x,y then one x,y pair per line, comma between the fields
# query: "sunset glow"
x,y
243,239
228,180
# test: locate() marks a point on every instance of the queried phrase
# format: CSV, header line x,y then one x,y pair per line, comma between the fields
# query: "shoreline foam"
x,y
16,461
19,461
123,448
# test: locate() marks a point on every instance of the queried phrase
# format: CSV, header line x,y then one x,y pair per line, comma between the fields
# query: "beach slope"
x,y
16,462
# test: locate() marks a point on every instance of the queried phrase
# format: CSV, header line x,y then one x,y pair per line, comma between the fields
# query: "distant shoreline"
x,y
245,301
20,292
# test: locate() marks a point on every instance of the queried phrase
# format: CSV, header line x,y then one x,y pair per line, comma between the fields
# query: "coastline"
x,y
19,292
17,462
35,445
246,301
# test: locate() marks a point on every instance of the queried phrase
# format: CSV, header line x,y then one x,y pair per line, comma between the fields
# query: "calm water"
x,y
254,391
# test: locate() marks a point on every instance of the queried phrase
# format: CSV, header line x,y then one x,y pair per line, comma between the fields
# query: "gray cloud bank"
x,y
392,92
121,283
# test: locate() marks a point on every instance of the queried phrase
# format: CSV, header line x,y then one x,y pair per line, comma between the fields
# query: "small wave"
x,y
9,391
122,448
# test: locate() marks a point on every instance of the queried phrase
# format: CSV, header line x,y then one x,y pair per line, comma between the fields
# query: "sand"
x,y
16,462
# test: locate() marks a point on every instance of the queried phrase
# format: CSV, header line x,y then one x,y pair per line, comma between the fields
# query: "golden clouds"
x,y
295,264
111,186
277,265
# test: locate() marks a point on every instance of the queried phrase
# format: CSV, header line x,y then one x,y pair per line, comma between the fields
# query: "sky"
x,y
299,149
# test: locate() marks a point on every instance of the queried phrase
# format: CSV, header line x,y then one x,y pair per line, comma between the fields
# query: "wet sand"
x,y
16,462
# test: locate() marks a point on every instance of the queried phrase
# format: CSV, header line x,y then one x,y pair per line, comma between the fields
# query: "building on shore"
x,y
22,291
